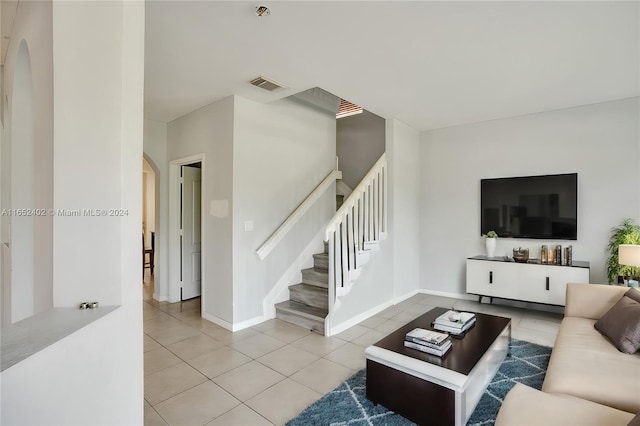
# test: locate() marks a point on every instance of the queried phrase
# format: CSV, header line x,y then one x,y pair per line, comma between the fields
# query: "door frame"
x,y
174,226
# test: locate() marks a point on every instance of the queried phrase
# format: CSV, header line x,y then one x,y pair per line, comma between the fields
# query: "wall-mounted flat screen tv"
x,y
541,207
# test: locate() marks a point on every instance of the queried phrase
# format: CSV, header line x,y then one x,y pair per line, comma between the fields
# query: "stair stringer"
x,y
293,275
362,258
374,271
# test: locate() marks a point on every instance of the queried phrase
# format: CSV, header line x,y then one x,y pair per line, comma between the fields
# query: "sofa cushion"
x,y
584,364
621,324
525,406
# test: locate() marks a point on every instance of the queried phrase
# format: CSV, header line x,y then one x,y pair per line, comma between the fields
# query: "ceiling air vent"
x,y
266,84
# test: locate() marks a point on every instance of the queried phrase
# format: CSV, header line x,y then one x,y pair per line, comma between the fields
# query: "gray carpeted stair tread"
x,y
302,309
310,295
321,261
302,315
317,277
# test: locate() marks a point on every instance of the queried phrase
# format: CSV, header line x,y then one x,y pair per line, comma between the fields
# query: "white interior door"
x,y
191,270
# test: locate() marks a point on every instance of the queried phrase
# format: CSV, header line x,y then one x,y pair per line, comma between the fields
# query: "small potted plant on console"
x,y
490,243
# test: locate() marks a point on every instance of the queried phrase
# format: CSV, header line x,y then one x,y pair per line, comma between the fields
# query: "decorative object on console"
x,y
544,254
521,255
490,243
627,233
568,256
558,255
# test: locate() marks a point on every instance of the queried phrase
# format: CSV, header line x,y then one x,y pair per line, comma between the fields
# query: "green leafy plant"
x,y
626,233
491,234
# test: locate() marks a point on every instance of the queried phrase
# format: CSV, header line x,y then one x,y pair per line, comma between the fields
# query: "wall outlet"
x,y
248,225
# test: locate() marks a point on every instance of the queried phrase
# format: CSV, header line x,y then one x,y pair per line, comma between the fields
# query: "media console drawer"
x,y
527,282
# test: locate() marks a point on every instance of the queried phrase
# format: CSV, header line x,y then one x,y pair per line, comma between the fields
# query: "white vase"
x,y
491,246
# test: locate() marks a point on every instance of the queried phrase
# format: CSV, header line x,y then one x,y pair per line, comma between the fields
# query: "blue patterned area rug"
x,y
347,404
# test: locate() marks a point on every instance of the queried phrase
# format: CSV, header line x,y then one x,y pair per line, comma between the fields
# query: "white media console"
x,y
528,282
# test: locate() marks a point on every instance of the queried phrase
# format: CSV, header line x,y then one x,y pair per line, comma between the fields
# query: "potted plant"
x,y
626,233
490,243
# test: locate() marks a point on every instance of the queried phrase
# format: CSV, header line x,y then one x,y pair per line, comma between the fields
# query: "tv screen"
x,y
542,207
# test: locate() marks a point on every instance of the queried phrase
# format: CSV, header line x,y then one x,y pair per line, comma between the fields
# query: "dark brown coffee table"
x,y
427,389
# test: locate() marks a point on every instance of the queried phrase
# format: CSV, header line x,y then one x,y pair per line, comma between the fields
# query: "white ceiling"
x,y
429,64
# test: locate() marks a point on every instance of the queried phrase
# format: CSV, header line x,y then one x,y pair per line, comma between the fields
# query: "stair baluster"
x,y
357,226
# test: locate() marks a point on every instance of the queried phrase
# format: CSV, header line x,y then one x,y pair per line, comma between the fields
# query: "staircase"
x,y
308,303
358,226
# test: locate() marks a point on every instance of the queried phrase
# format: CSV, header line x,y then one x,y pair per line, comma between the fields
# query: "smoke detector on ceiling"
x,y
262,11
266,83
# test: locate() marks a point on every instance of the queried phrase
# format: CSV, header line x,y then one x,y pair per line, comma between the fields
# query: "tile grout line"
x,y
516,314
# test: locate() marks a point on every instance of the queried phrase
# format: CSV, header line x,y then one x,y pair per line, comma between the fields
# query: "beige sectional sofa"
x,y
588,381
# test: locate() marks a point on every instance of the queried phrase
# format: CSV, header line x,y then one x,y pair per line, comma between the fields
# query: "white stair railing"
x,y
362,219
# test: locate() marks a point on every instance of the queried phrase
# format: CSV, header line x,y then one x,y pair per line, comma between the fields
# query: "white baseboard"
x,y
369,313
406,296
219,321
250,322
335,329
236,326
160,298
462,296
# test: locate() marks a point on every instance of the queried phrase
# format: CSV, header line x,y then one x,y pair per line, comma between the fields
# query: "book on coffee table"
x,y
454,319
429,349
455,331
427,336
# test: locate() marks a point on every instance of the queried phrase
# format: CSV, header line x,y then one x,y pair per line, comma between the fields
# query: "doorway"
x,y
149,225
187,244
191,231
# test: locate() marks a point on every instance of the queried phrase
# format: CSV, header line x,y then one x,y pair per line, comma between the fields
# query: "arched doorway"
x,y
27,186
150,226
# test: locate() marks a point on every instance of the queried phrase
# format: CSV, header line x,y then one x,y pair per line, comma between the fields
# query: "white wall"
x,y
392,272
28,71
155,151
599,142
23,150
209,131
403,156
281,152
360,141
263,160
98,85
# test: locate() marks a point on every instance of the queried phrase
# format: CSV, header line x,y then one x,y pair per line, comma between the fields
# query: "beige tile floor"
x,y
197,373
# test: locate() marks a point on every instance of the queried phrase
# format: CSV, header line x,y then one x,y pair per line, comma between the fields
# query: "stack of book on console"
x,y
428,341
455,323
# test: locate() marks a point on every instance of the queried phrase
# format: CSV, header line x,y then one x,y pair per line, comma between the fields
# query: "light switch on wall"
x,y
248,225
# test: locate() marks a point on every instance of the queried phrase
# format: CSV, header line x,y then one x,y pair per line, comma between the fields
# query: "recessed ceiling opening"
x,y
347,108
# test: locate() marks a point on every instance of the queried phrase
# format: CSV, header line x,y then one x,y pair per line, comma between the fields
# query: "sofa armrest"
x,y
591,301
525,406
